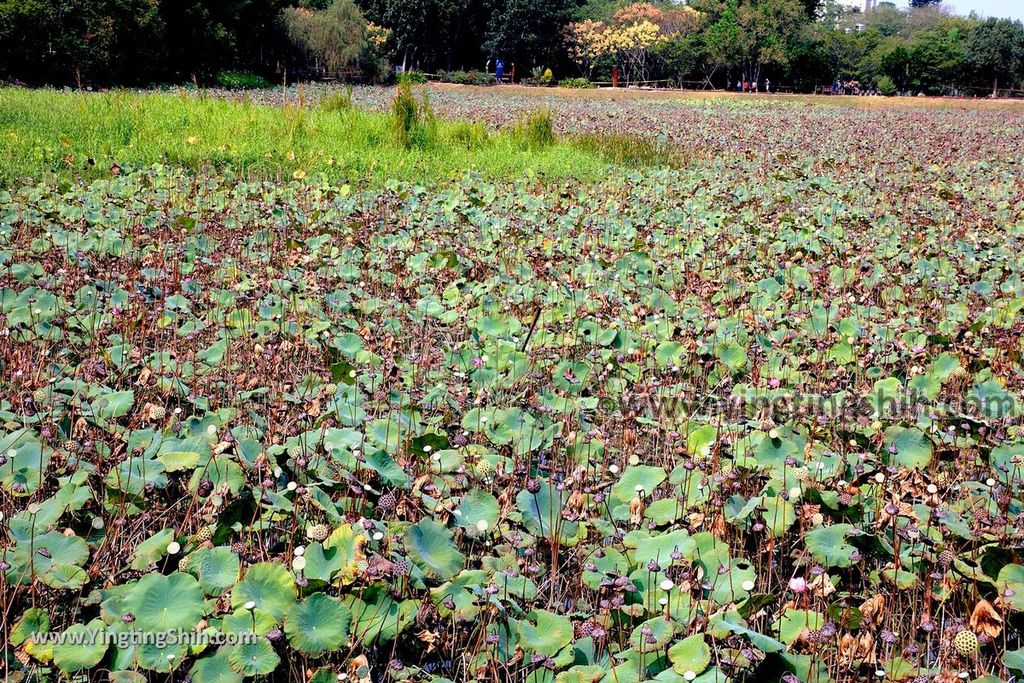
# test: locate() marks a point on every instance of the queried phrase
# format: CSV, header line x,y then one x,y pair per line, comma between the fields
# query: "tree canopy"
x,y
801,43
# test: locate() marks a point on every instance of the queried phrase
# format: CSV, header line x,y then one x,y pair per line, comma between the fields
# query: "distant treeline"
x,y
795,43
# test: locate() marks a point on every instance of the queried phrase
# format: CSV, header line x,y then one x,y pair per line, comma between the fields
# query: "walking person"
x,y
499,69
767,85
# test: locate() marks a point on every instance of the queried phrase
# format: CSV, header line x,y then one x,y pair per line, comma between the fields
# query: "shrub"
x,y
536,130
886,86
413,77
241,80
540,75
480,78
576,83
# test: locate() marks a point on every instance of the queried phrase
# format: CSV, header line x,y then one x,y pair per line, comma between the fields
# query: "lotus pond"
x,y
754,418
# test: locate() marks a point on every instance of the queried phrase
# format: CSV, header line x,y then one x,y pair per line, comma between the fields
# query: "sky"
x,y
986,8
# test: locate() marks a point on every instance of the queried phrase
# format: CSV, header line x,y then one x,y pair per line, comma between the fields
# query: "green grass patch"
x,y
629,150
536,130
73,134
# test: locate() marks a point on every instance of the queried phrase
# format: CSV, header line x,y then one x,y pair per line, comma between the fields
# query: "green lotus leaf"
x,y
664,511
462,593
389,471
477,512
152,549
41,554
179,461
81,646
542,512
163,603
658,629
643,477
908,447
377,618
162,657
134,474
731,621
1010,583
243,620
338,558
216,568
779,515
114,405
727,581
269,585
65,577
545,633
733,356
690,654
318,624
1014,659
219,470
581,673
432,547
256,658
827,545
795,621
33,620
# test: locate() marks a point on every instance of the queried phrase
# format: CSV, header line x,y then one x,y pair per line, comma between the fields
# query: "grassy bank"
x,y
83,134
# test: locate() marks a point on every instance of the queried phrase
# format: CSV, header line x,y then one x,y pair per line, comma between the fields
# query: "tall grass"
x,y
630,150
412,121
536,130
338,101
73,134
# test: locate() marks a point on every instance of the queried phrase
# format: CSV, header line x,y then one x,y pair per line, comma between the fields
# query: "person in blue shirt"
x,y
500,70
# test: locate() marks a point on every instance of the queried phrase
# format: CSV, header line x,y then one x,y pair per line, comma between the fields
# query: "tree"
x,y
413,26
722,41
768,31
887,20
995,51
527,32
637,36
936,59
80,40
337,36
587,42
205,36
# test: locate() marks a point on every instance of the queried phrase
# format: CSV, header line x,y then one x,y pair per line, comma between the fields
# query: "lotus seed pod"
x,y
946,559
318,532
965,643
387,502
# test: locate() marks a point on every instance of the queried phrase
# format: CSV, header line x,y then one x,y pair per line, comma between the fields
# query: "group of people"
x,y
751,86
